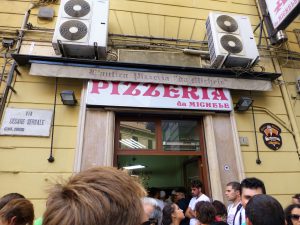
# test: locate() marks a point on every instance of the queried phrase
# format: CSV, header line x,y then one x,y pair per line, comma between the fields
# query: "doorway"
x,y
168,172
164,152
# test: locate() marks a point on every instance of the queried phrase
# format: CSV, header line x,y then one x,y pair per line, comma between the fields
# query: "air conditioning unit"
x,y
231,41
81,29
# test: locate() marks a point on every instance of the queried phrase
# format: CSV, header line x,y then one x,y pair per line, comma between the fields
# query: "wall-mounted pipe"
x,y
291,114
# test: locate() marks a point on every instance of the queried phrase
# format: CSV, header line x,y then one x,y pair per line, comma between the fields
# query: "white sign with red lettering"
x,y
146,95
280,9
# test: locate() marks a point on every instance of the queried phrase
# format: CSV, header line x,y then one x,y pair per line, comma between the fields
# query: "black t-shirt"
x,y
219,223
184,204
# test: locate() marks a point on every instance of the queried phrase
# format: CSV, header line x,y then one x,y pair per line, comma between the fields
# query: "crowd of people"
x,y
108,196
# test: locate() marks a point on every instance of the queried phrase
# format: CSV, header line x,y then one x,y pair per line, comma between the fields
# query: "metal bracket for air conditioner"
x,y
260,26
61,48
224,60
96,50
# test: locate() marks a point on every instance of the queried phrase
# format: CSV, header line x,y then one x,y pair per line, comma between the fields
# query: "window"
x,y
159,135
150,144
136,134
180,135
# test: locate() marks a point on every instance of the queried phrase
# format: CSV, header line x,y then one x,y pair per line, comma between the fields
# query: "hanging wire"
x,y
258,161
51,158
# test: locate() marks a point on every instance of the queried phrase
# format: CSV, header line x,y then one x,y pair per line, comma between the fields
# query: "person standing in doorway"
x,y
183,203
196,189
249,188
233,194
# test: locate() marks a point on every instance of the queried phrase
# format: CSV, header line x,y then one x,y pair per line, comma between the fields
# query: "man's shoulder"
x,y
193,199
229,207
203,197
234,206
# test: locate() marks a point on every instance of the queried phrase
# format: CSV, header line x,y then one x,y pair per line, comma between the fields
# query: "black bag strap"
x,y
236,212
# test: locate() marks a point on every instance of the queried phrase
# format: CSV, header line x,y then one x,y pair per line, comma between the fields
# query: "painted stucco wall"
x,y
23,160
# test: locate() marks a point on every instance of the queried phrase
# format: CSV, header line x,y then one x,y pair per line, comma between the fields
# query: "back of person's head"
x,y
149,205
205,212
220,208
296,199
253,183
17,212
180,190
264,210
153,192
156,216
288,213
179,194
162,194
196,184
235,185
101,195
8,197
167,212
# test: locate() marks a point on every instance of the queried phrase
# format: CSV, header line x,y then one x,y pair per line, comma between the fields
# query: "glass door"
x,y
166,152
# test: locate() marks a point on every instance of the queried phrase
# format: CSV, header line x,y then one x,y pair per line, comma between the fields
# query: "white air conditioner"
x,y
81,29
231,41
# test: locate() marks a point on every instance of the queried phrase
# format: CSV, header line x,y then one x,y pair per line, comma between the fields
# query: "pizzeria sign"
x,y
149,95
282,12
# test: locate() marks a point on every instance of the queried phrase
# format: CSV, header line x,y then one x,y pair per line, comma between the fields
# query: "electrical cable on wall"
x,y
258,161
51,158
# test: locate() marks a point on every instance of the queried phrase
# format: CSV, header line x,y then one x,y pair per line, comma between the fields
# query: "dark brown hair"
x,y
205,212
8,197
288,211
264,210
220,208
167,214
102,195
21,209
235,185
253,183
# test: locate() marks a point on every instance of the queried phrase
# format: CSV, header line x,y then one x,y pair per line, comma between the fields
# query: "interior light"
x,y
134,167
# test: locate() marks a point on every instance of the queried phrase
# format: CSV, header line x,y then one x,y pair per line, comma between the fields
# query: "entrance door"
x,y
165,152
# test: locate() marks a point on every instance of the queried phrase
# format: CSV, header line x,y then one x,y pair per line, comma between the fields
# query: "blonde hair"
x,y
102,195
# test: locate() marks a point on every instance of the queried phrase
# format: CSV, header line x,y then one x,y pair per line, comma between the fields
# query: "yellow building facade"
x,y
154,32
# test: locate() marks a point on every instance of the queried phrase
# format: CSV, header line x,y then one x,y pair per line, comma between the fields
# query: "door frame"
x,y
201,155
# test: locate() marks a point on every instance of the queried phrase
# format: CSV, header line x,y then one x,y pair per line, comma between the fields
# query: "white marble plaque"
x,y
26,122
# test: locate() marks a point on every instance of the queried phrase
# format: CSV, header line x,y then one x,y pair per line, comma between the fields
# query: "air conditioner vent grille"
x,y
231,44
73,30
77,8
227,23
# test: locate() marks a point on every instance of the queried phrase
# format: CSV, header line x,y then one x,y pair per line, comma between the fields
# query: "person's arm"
x,y
190,213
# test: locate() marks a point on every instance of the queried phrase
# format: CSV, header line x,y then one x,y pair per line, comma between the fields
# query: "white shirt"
x,y
193,203
231,209
241,213
160,203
